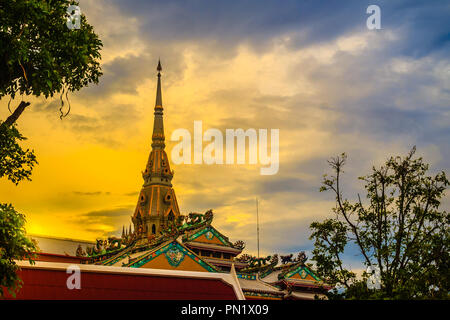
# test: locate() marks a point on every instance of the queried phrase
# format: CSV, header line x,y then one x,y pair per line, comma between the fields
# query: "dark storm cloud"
x,y
228,23
412,105
124,69
122,75
256,22
425,25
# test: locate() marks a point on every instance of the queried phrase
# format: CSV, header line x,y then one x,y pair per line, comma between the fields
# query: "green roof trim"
x,y
303,271
175,254
210,232
246,276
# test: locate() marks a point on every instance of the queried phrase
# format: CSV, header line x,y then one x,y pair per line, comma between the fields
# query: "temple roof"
x,y
272,277
258,286
224,263
211,246
174,253
305,296
207,234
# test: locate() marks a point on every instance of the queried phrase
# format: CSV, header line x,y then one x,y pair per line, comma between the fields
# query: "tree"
x,y
39,55
14,244
399,230
15,163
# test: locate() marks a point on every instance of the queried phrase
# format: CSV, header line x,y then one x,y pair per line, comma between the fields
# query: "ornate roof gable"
x,y
208,234
174,253
298,271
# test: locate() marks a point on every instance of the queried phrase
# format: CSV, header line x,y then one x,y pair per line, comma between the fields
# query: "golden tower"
x,y
157,203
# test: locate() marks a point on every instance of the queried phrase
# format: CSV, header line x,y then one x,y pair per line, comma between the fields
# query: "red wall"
x,y
51,285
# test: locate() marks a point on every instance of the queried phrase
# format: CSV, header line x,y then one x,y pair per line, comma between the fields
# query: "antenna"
x,y
257,226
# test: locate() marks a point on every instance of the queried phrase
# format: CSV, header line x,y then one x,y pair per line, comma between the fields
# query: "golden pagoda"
x,y
164,239
157,204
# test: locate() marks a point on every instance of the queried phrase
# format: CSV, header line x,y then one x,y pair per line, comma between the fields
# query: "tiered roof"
x,y
253,287
173,248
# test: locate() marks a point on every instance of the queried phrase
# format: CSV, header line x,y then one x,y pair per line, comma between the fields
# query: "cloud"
x,y
107,213
105,222
94,193
226,25
134,193
122,75
92,120
286,185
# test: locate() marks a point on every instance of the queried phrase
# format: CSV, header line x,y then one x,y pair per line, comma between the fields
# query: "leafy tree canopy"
x,y
15,163
39,54
398,229
14,244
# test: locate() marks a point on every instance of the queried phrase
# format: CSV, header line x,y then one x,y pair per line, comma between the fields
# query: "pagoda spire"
x,y
157,204
158,169
158,125
158,90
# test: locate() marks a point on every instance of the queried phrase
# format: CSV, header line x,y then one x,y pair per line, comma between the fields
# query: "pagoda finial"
x,y
158,90
159,68
158,126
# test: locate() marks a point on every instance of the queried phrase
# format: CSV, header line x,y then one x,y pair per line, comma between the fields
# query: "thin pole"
x,y
257,225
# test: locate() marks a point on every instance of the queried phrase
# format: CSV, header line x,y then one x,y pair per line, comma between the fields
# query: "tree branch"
x,y
354,229
16,114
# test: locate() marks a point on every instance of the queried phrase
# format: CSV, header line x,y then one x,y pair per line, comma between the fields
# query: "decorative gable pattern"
x,y
174,254
300,272
209,235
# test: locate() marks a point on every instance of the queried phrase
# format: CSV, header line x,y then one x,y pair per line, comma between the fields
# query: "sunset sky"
x,y
311,69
